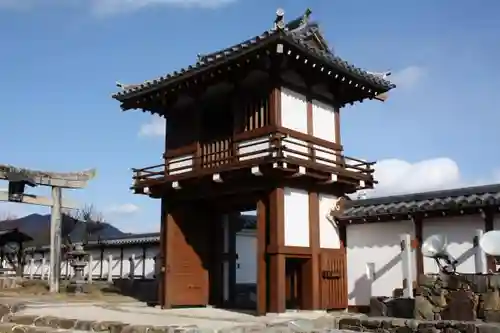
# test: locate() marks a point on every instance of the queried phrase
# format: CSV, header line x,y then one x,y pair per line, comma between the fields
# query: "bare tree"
x,y
11,251
89,216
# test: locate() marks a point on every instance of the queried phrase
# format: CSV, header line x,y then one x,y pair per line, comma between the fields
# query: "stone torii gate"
x,y
18,178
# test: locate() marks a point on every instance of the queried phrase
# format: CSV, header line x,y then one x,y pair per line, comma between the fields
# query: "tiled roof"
x,y
477,196
249,222
297,36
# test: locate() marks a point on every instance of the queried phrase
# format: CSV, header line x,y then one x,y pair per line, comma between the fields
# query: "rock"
x,y
461,305
423,308
491,300
352,324
378,307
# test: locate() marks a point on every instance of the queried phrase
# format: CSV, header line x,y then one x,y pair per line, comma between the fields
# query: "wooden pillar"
x,y
311,279
216,270
55,240
161,257
262,227
419,257
168,253
489,217
277,274
232,256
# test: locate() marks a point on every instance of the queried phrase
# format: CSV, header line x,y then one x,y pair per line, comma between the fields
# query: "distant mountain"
x,y
38,227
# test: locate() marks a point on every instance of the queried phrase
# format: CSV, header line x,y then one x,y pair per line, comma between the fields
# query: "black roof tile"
x,y
297,36
476,196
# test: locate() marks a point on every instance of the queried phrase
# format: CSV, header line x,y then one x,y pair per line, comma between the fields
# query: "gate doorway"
x,y
210,256
295,275
214,255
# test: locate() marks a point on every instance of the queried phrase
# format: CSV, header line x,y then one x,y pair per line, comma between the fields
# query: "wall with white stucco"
x,y
374,265
374,259
329,237
296,217
460,232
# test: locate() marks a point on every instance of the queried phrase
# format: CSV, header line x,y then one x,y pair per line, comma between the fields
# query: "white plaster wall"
x,y
323,116
40,264
180,164
246,244
246,265
296,213
251,146
293,110
376,247
328,232
294,117
460,232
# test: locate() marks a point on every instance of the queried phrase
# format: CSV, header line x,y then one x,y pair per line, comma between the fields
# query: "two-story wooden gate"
x,y
333,275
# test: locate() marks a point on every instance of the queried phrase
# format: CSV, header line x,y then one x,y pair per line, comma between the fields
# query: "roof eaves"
x,y
343,65
205,63
477,196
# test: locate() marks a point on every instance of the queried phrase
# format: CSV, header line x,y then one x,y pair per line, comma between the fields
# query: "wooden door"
x,y
188,274
333,277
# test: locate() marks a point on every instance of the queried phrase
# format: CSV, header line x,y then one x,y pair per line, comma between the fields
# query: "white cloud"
x,y
397,176
155,127
408,77
128,208
111,7
107,7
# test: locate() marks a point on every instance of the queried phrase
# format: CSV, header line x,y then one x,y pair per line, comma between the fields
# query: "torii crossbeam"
x,y
18,178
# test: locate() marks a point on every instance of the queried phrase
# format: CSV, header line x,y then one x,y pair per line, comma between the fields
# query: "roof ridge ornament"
x,y
382,75
126,86
279,21
300,23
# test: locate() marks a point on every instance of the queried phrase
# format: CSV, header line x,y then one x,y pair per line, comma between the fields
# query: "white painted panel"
x,y
254,145
180,164
246,265
328,232
360,166
296,214
150,263
293,110
375,247
298,148
115,262
325,155
323,121
460,232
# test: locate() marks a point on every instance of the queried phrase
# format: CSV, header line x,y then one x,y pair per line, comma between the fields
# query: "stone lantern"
x,y
78,260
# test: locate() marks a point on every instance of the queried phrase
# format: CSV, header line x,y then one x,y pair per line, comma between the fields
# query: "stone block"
x,y
423,309
492,316
461,305
491,300
487,328
378,307
352,324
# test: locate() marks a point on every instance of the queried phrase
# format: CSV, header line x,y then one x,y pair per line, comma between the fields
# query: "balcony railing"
x,y
281,145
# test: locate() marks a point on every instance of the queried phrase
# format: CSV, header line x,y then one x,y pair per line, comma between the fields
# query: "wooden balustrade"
x,y
251,150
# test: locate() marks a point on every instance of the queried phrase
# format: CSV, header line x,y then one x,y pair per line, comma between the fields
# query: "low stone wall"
x,y
398,325
458,297
466,297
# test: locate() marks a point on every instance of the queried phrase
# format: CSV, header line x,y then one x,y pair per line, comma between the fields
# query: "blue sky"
x,y
59,61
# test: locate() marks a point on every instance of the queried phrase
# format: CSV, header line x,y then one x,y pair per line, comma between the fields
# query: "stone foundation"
x,y
398,325
464,297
